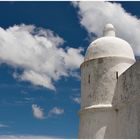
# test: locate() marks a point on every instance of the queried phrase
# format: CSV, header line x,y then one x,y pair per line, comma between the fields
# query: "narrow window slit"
x,y
89,78
117,75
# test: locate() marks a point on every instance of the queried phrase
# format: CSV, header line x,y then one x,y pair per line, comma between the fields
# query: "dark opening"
x,y
89,78
117,75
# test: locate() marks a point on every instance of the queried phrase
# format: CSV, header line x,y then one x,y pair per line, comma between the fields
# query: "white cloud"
x,y
37,51
27,137
3,125
56,111
76,100
37,112
94,15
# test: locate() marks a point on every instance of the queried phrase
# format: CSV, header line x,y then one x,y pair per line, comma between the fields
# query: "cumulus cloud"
x,y
38,53
56,111
37,112
94,15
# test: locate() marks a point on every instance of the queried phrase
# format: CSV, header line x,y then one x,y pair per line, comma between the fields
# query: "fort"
x,y
110,89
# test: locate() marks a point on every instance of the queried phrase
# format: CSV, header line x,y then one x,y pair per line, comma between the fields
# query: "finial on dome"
x,y
109,30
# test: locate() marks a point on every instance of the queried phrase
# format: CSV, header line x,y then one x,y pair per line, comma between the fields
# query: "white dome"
x,y
109,46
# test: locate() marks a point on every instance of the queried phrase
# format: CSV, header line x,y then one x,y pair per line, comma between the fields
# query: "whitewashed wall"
x,y
98,119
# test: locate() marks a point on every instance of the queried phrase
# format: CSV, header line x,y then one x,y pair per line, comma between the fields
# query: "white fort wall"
x,y
98,82
122,120
127,101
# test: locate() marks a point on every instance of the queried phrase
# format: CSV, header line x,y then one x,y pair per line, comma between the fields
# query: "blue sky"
x,y
30,106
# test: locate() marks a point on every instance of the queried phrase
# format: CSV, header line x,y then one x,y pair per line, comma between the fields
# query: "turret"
x,y
105,60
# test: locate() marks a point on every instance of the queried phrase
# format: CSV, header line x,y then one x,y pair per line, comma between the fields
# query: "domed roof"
x,y
109,46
